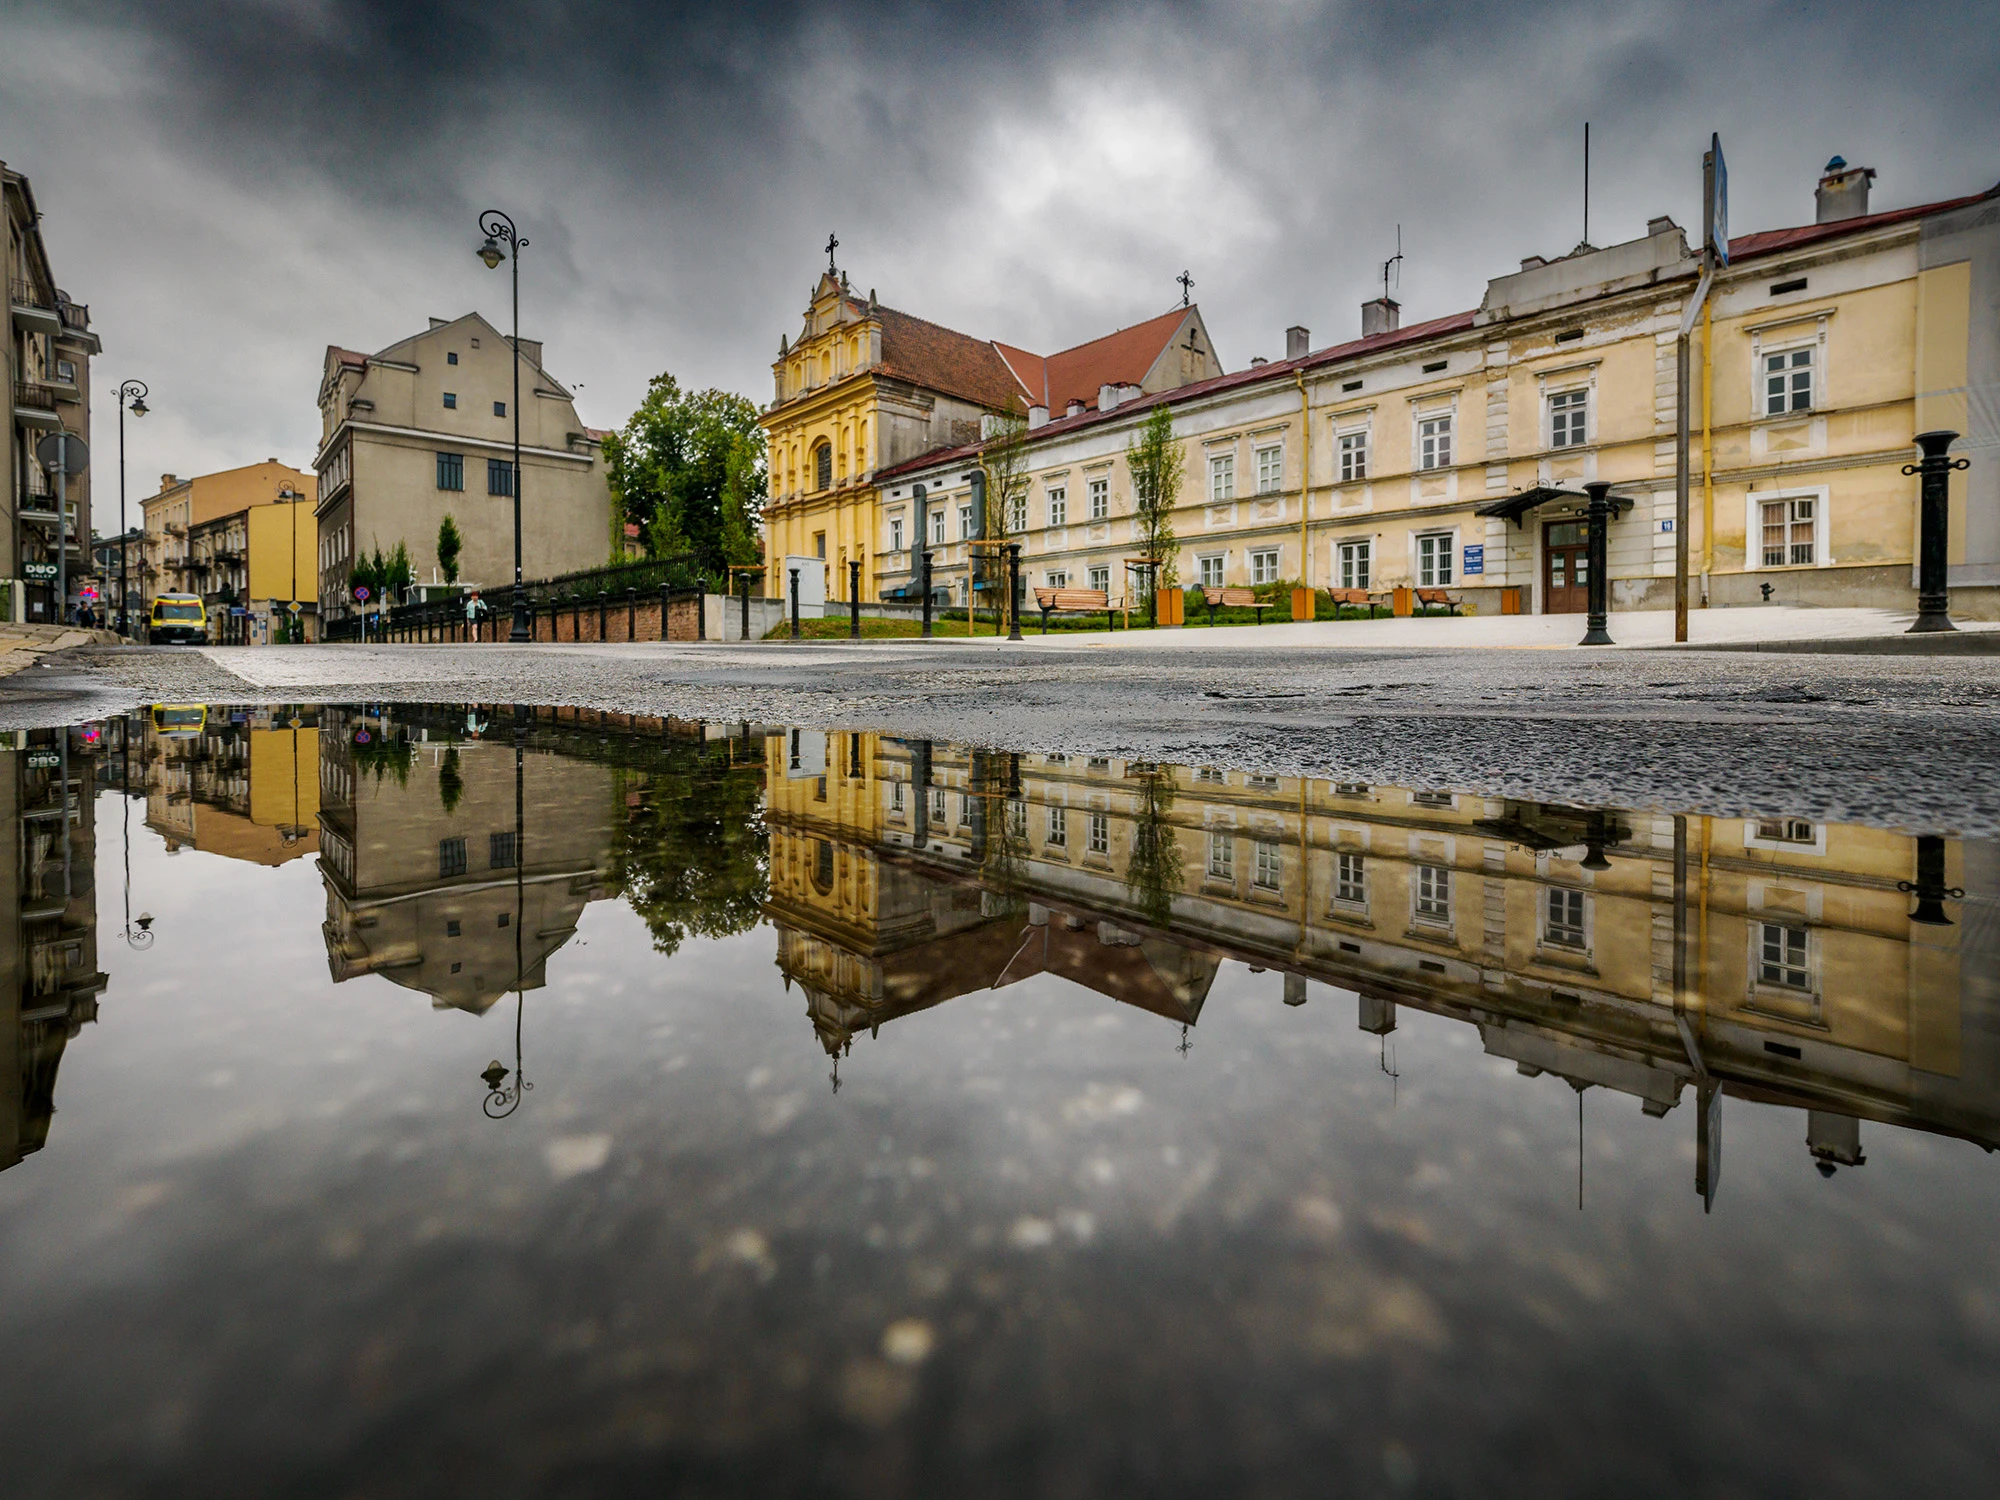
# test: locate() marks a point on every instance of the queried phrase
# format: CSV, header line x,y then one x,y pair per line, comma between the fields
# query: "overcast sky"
x,y
233,186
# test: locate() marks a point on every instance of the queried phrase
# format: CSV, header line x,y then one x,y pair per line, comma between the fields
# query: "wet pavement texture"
x,y
1855,738
455,1100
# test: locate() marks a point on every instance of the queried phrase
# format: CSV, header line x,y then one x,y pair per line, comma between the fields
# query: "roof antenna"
x,y
1586,182
1394,263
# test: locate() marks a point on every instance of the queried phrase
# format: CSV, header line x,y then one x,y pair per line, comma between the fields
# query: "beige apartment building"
x,y
47,389
186,551
1452,452
422,430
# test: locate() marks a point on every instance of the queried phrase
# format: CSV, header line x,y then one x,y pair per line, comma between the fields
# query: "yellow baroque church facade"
x,y
865,388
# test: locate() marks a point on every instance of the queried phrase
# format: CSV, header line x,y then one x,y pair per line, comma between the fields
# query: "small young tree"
x,y
449,545
399,573
1155,459
1005,460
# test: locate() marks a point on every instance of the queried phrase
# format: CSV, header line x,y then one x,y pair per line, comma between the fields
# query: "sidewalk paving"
x,y
1635,628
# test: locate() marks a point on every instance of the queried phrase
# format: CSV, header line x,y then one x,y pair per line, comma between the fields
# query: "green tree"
x,y
449,545
689,469
693,853
1154,456
399,574
1154,875
451,782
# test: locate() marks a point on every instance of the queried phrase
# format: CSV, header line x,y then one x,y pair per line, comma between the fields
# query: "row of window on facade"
x,y
451,474
451,404
500,855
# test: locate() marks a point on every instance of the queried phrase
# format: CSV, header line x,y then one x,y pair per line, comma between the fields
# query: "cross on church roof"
x,y
1187,285
832,244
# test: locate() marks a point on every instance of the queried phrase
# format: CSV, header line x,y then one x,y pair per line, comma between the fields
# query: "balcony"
x,y
35,405
33,309
75,316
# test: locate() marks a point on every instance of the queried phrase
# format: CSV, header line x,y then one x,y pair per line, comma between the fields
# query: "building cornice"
x,y
427,436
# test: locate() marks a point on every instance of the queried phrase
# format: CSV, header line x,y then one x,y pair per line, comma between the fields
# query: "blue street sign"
x,y
1668,524
1475,558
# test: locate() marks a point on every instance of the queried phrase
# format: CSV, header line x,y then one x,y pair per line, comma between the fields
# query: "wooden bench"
x,y
1067,601
1355,598
1234,598
1428,597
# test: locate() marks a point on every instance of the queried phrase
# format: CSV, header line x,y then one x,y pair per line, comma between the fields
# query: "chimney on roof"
x,y
1038,416
1532,262
1075,407
1842,192
168,481
1107,398
1297,342
1664,224
1380,316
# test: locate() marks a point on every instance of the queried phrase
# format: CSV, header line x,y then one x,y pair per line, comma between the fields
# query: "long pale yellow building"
x,y
1451,453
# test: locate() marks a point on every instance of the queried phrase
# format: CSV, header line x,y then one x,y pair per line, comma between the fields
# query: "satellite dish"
x,y
64,450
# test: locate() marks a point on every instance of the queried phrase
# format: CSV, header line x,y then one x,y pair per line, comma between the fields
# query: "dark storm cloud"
x,y
232,186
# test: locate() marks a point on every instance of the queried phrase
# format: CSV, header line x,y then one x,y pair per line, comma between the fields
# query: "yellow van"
x,y
178,617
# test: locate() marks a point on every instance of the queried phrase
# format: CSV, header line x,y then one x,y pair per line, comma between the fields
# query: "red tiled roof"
x,y
347,356
1770,241
941,359
1120,358
1277,370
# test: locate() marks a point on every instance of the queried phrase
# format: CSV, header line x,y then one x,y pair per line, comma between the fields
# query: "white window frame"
x,y
1570,899
1097,834
1434,448
938,524
1268,866
1266,565
1352,446
1449,553
1100,577
1221,477
1211,568
1056,578
1222,857
1058,503
1017,513
965,521
895,533
1350,880
1355,560
1753,521
1430,894
1057,836
1761,928
1574,399
1788,351
1754,836
1099,491
1270,461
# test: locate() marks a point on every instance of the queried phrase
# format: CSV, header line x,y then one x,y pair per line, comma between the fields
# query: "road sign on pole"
x,y
64,449
1715,211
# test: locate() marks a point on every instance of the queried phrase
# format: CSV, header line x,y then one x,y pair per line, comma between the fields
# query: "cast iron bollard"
x,y
925,570
795,603
663,611
1934,511
1595,633
746,607
603,603
631,614
854,601
1014,591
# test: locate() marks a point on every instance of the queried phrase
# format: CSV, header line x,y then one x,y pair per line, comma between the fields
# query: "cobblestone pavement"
x,y
1908,742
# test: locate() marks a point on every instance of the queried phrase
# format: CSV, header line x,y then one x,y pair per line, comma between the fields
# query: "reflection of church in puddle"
x,y
1830,968
48,900
440,847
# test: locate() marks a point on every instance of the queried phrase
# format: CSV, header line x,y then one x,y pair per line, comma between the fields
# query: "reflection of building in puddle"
x,y
871,933
241,783
1831,968
48,898
436,858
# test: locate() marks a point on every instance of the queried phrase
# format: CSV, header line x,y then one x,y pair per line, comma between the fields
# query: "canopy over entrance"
x,y
1515,508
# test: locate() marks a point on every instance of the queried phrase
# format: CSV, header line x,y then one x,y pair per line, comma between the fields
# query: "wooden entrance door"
x,y
1566,567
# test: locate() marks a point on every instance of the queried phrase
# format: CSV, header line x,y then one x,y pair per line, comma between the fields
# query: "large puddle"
x,y
417,1101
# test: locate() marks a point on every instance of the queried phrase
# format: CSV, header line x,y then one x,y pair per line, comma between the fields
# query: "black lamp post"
x,y
1595,633
1934,513
133,394
497,227
502,1099
1929,887
1013,591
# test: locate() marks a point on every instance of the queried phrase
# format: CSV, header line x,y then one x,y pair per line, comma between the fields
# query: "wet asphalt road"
x,y
1909,742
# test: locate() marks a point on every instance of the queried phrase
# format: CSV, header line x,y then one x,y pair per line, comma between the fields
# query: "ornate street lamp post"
x,y
133,394
498,228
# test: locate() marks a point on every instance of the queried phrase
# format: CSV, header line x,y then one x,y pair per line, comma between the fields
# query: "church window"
x,y
823,466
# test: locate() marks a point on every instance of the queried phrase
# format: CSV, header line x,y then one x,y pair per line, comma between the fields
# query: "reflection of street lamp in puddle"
x,y
502,1098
